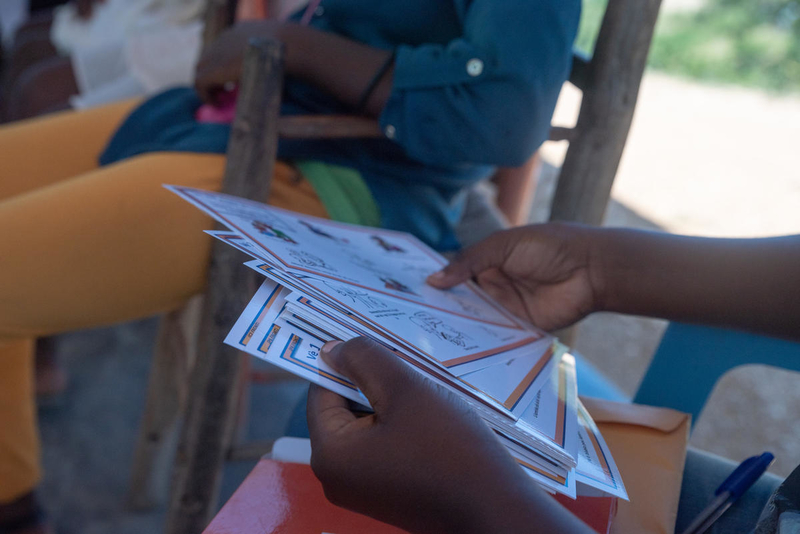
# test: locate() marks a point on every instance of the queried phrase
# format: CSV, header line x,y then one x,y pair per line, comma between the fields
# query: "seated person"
x,y
101,52
413,463
84,246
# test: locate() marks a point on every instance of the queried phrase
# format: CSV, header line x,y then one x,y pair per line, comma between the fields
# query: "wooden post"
x,y
216,378
613,79
167,390
173,355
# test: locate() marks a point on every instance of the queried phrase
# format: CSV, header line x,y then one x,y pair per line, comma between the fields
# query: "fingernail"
x,y
438,276
327,347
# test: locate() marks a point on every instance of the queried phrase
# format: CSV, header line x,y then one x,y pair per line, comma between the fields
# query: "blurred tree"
x,y
745,42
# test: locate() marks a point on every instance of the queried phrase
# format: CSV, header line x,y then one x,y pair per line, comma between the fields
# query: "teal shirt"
x,y
475,85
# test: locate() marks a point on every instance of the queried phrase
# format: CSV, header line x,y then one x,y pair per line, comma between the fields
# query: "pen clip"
x,y
745,475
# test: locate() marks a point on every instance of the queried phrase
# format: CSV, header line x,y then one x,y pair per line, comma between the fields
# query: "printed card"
x,y
516,382
393,263
446,338
263,307
243,244
596,466
425,333
554,411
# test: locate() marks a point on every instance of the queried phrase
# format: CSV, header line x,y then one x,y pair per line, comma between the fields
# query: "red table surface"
x,y
286,498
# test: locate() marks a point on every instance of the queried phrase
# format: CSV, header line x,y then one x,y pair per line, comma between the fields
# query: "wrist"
x,y
625,268
599,246
524,509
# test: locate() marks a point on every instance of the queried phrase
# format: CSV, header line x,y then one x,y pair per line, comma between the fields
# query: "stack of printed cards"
x,y
327,280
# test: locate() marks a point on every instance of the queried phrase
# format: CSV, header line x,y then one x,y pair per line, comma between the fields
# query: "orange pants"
x,y
83,247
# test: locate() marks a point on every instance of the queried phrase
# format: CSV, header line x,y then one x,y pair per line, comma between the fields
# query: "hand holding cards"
x,y
330,281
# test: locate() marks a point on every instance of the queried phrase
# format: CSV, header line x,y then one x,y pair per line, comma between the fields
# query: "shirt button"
x,y
474,67
319,11
390,131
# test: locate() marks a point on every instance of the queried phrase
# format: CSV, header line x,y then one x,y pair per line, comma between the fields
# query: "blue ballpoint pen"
x,y
729,491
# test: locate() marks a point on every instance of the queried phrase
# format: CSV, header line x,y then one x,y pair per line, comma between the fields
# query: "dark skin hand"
x,y
556,274
338,65
541,274
423,461
221,61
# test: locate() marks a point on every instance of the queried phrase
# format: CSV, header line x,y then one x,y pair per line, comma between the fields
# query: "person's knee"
x,y
203,171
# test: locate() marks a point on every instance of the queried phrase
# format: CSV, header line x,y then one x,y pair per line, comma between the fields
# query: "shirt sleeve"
x,y
488,96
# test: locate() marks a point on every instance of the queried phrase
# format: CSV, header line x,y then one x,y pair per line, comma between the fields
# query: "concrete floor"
x,y
88,438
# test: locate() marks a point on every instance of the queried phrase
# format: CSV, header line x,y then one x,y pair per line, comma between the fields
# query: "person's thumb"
x,y
377,372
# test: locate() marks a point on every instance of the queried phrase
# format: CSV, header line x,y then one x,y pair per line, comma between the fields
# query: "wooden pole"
x,y
216,378
612,87
167,391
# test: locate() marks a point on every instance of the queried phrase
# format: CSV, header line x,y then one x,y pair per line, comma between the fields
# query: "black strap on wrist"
x,y
373,83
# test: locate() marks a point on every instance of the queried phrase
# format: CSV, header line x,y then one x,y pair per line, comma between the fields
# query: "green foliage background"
x,y
752,43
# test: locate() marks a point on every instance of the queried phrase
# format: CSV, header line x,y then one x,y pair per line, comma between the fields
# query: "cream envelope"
x,y
649,446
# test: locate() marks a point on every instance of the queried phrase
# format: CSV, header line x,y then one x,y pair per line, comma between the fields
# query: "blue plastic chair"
x,y
691,359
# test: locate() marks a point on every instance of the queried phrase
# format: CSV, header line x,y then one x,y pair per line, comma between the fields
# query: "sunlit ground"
x,y
706,160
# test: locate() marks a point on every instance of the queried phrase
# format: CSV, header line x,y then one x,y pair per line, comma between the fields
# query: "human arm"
x,y
487,96
423,461
556,274
341,66
480,92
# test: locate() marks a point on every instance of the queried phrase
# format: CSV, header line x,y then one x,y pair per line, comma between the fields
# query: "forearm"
x,y
340,66
749,284
524,510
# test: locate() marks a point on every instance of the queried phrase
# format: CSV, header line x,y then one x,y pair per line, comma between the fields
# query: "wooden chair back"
x,y
176,372
609,81
217,377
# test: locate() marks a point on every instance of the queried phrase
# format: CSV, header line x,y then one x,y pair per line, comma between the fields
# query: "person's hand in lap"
x,y
424,461
221,61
